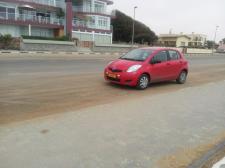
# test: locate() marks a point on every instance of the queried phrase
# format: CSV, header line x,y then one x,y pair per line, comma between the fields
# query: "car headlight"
x,y
134,68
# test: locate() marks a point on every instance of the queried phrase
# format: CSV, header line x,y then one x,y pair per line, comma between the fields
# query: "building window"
x,y
102,22
99,7
11,13
7,13
2,12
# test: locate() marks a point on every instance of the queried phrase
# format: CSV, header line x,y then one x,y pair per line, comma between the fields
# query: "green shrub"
x,y
6,39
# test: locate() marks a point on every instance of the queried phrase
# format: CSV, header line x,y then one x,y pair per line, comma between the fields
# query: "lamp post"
x,y
133,27
214,41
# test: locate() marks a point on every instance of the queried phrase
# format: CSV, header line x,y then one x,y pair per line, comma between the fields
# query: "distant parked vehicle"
x,y
140,67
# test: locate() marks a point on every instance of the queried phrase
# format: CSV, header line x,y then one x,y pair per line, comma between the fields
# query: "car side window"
x,y
173,55
160,57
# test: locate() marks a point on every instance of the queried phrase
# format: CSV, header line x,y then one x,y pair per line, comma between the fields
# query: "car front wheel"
x,y
182,77
143,82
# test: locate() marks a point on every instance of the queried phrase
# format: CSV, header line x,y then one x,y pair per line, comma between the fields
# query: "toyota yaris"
x,y
143,66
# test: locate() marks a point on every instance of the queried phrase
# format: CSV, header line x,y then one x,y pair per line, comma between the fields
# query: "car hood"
x,y
123,65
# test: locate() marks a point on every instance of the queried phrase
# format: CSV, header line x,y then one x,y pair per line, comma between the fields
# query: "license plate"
x,y
112,75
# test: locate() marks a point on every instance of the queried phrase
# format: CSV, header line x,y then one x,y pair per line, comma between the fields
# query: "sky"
x,y
187,16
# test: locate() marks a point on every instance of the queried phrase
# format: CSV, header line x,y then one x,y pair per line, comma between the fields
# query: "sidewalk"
x,y
57,52
146,132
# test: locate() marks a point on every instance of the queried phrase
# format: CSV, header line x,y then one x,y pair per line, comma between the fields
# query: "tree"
x,y
122,30
223,40
210,44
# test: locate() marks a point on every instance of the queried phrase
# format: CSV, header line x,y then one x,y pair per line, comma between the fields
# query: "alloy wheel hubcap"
x,y
144,82
183,76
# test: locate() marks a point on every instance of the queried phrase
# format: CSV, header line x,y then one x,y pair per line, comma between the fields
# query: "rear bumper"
x,y
122,78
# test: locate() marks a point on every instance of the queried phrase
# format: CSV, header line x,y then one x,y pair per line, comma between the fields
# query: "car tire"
x,y
182,77
143,82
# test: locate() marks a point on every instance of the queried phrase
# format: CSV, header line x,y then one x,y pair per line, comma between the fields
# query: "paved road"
x,y
169,130
37,85
74,65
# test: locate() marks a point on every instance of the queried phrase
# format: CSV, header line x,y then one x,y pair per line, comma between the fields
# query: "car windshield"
x,y
137,55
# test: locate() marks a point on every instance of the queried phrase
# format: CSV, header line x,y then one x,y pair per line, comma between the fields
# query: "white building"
x,y
197,40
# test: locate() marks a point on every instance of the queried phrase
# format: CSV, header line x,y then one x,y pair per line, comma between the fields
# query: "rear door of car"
x,y
158,71
174,64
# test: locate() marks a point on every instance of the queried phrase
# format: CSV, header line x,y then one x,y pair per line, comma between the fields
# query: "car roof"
x,y
158,48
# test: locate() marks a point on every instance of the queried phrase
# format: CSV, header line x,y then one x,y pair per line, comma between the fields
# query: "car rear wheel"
x,y
143,82
182,77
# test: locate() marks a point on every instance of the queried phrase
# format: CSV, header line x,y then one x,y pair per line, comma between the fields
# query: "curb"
x,y
59,52
209,155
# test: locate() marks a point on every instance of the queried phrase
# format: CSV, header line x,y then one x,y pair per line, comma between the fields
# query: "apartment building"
x,y
30,17
86,20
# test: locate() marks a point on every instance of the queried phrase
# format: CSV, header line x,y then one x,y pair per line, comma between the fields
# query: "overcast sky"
x,y
187,16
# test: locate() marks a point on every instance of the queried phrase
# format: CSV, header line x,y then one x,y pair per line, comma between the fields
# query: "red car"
x,y
143,66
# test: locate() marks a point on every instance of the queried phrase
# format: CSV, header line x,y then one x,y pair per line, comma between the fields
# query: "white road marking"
x,y
220,164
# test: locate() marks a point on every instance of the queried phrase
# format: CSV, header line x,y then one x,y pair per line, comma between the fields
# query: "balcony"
x,y
25,19
89,26
88,10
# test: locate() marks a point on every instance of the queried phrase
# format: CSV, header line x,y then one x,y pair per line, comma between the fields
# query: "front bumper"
x,y
122,78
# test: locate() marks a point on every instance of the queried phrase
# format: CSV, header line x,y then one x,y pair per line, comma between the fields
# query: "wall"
x,y
113,48
47,45
198,51
96,37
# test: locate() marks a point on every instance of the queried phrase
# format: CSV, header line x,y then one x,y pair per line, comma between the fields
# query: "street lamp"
x,y
133,27
214,41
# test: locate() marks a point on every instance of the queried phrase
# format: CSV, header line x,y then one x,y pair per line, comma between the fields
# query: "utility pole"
x,y
133,27
214,41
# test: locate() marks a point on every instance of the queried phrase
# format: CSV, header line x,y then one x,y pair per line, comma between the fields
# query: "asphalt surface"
x,y
37,85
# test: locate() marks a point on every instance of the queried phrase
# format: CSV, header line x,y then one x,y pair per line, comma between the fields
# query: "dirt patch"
x,y
44,131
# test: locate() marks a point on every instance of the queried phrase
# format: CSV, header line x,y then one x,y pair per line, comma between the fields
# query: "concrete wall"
x,y
113,48
198,51
98,38
47,45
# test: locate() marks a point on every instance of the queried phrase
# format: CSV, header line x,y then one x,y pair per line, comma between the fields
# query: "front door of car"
x,y
158,67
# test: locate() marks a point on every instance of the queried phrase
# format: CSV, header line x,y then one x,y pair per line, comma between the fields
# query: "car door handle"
x,y
168,64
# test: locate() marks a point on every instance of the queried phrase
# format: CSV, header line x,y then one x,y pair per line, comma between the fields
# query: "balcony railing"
x,y
87,24
89,10
32,18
